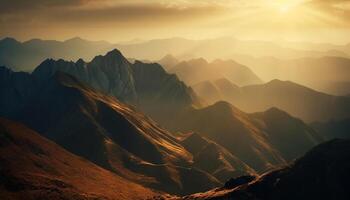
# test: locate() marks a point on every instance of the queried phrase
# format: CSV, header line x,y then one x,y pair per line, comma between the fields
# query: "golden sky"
x,y
120,20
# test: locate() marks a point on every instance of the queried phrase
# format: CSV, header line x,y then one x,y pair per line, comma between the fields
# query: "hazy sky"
x,y
119,20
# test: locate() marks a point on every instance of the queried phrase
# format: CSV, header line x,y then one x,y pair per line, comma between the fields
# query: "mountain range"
x,y
99,110
104,131
300,101
107,125
261,140
322,173
25,56
144,85
197,70
329,74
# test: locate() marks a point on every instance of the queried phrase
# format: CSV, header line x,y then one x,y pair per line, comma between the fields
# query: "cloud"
x,y
104,19
21,5
81,11
337,10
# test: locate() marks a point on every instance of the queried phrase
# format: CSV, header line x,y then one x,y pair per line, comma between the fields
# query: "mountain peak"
x,y
274,111
9,40
278,82
114,52
223,105
80,62
199,61
169,57
75,39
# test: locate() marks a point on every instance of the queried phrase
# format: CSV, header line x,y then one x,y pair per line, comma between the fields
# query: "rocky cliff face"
x,y
16,89
111,74
146,86
160,93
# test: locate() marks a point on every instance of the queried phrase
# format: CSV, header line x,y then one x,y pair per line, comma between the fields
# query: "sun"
x,y
284,9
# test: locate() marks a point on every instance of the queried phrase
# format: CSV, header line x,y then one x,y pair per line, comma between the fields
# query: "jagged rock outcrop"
x,y
111,74
146,86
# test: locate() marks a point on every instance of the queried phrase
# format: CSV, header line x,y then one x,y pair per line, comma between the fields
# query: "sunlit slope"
x,y
260,140
33,167
108,133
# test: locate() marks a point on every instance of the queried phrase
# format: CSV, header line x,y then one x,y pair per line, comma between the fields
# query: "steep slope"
x,y
110,134
146,86
198,70
254,138
233,130
33,167
296,99
15,89
214,158
323,173
160,93
286,133
111,73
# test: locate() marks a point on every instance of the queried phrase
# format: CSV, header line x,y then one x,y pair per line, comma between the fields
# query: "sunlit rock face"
x,y
146,86
111,73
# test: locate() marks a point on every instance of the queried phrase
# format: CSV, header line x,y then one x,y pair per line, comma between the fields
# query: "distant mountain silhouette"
x,y
224,48
298,100
327,74
261,140
33,167
216,90
198,70
168,61
25,56
104,131
322,173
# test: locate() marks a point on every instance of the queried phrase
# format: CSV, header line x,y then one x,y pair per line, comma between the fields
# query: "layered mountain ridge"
x,y
108,133
261,140
73,104
300,101
322,173
144,85
197,70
